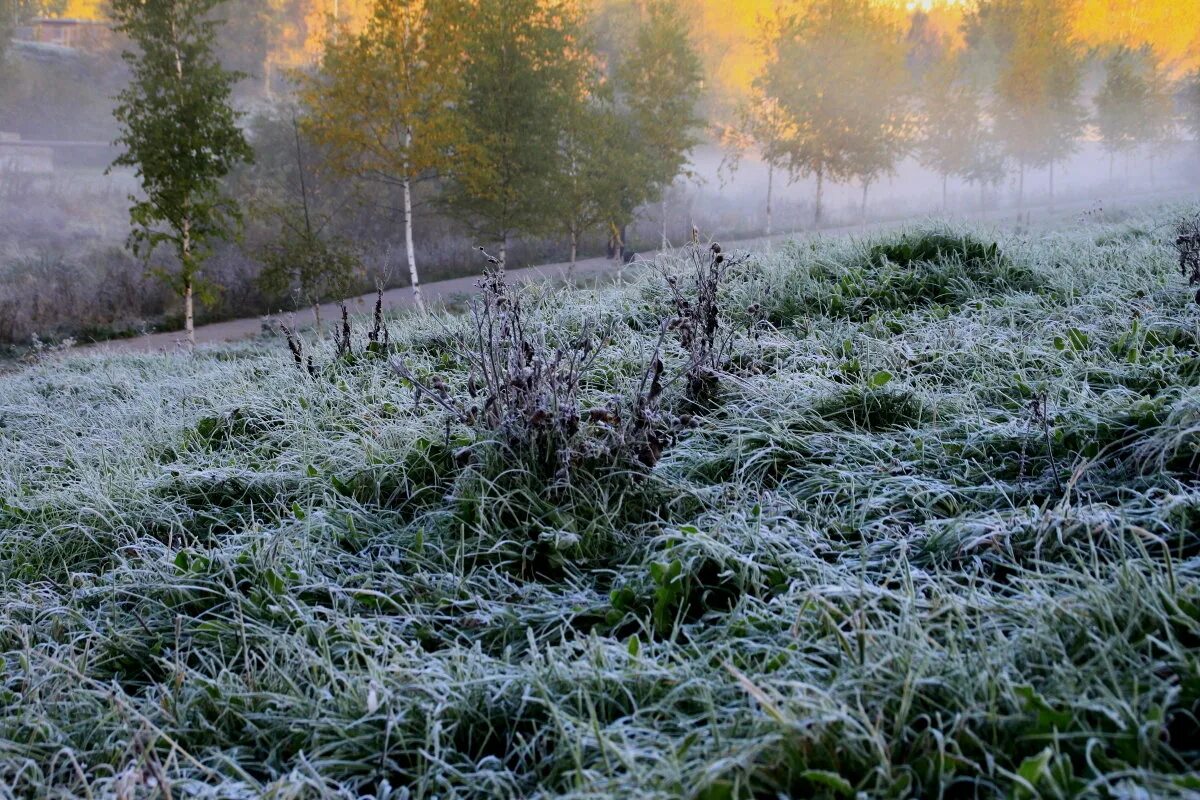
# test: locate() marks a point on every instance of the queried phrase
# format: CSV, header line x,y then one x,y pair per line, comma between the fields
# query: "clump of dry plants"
x,y
698,319
525,391
1187,243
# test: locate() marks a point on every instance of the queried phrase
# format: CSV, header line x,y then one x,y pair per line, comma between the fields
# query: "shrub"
x,y
937,247
699,320
525,392
1187,244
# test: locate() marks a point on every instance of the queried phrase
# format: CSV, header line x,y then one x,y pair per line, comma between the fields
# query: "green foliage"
x,y
1133,107
317,268
304,256
658,78
380,102
1039,115
591,187
5,35
955,138
179,131
858,130
519,68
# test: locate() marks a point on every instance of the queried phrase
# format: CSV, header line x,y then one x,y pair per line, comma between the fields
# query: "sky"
x,y
727,30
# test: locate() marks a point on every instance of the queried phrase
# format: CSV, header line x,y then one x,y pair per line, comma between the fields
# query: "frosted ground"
x,y
935,532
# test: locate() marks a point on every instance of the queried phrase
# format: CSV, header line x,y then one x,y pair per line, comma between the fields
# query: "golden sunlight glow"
x,y
1170,27
728,31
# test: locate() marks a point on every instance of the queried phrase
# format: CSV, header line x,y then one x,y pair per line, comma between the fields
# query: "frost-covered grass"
x,y
938,535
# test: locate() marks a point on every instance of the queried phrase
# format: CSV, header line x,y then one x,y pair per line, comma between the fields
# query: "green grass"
x,y
868,567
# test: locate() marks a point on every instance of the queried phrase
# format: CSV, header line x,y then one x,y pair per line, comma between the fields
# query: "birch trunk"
x,y
189,316
574,253
409,250
189,310
664,220
820,189
770,189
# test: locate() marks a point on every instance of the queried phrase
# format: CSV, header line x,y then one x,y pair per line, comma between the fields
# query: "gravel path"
x,y
440,292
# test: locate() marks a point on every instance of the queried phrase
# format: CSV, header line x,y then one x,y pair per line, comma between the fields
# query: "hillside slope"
x,y
923,521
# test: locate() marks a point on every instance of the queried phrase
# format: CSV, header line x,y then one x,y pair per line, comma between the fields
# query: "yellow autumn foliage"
x,y
729,31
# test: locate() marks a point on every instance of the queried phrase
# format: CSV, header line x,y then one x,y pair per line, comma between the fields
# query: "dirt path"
x,y
441,292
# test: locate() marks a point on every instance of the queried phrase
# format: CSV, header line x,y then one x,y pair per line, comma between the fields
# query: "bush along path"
x,y
913,516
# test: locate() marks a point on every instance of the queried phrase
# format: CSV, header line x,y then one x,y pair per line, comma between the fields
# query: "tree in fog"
x,y
1190,97
594,140
1133,107
381,101
6,31
659,80
986,164
1039,116
881,132
305,257
953,134
760,125
180,134
837,71
520,66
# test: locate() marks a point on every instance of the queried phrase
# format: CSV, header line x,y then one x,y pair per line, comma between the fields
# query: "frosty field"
x,y
929,527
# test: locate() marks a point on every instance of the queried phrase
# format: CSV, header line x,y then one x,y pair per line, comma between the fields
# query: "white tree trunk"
x,y
664,220
189,316
503,252
820,189
770,189
409,249
189,313
574,253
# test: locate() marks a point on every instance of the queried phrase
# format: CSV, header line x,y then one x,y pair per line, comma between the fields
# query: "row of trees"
x,y
523,117
524,122
848,90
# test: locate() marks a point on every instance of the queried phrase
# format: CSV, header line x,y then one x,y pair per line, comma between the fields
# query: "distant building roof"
x,y
90,35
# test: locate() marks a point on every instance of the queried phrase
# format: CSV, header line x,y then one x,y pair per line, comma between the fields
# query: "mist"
x,y
65,270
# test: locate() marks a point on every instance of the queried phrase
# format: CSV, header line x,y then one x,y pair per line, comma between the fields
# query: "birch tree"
x,y
1190,100
836,69
521,65
659,78
953,124
592,140
180,134
759,125
381,102
1038,113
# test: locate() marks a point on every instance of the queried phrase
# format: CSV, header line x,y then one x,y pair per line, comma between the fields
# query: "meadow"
x,y
915,515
